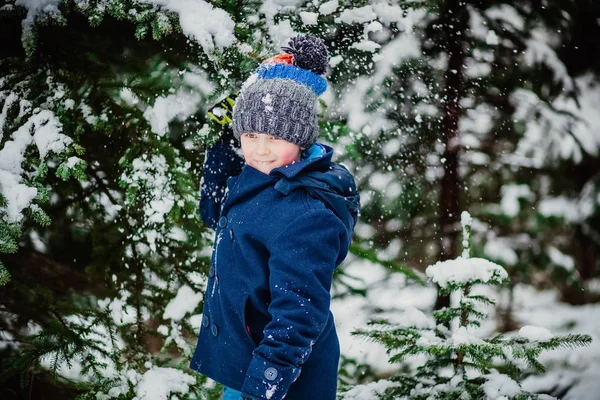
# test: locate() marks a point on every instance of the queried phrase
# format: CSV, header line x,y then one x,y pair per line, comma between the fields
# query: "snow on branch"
x,y
199,20
209,26
562,129
465,270
44,129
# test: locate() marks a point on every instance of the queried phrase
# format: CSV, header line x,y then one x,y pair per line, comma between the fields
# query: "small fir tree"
x,y
459,364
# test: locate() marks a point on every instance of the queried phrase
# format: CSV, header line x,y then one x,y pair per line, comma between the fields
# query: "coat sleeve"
x,y
221,162
302,260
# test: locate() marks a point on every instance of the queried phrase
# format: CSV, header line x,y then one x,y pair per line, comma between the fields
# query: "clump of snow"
x,y
374,26
335,60
463,270
328,7
500,386
370,391
18,195
466,221
560,207
359,15
73,161
499,249
411,316
535,333
47,134
208,25
244,48
559,258
161,383
538,50
38,242
508,15
280,32
491,38
175,106
48,138
429,338
7,340
477,121
159,208
465,336
8,102
562,129
88,114
184,302
510,198
153,173
35,7
366,45
309,18
129,97
163,330
121,312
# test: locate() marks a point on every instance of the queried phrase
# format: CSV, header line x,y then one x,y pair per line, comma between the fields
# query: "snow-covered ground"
x,y
390,297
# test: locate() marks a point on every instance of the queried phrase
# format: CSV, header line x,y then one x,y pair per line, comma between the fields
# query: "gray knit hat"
x,y
280,97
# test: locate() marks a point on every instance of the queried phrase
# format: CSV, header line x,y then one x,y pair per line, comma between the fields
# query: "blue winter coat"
x,y
267,330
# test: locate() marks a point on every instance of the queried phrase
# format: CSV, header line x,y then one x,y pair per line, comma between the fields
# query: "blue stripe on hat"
x,y
315,82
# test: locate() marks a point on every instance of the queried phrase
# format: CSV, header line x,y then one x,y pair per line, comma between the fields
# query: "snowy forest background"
x,y
436,106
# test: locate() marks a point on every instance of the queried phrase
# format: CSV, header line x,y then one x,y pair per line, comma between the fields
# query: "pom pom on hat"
x,y
308,53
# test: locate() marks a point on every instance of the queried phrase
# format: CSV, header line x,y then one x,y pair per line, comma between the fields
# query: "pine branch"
x,y
569,341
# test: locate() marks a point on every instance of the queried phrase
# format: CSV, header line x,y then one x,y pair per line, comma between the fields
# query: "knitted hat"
x,y
280,97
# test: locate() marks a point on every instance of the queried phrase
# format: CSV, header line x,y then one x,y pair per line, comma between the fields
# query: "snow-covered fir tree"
x,y
459,364
521,124
525,141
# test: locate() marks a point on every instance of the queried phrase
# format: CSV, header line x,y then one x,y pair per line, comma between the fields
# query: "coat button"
x,y
222,222
215,330
270,373
205,320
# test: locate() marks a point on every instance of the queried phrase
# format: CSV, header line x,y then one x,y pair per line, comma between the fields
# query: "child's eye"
x,y
250,135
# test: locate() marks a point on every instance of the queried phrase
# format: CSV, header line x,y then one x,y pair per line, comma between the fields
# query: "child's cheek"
x,y
289,156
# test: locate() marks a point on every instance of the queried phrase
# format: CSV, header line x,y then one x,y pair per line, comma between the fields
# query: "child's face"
x,y
265,152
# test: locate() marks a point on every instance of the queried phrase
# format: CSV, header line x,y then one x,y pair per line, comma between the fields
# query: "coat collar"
x,y
315,160
252,181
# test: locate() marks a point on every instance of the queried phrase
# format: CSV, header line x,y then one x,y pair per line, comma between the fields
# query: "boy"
x,y
283,222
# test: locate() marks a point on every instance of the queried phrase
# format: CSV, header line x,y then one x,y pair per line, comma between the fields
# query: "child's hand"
x,y
222,114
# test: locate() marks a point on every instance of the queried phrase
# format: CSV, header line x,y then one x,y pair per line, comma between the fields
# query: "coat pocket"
x,y
247,321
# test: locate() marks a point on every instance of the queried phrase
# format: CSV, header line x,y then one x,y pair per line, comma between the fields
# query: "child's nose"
x,y
262,146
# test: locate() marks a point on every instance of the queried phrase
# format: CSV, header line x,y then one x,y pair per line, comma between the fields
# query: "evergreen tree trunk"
x,y
454,20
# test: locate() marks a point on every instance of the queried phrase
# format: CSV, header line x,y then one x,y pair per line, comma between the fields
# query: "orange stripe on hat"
x,y
284,58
